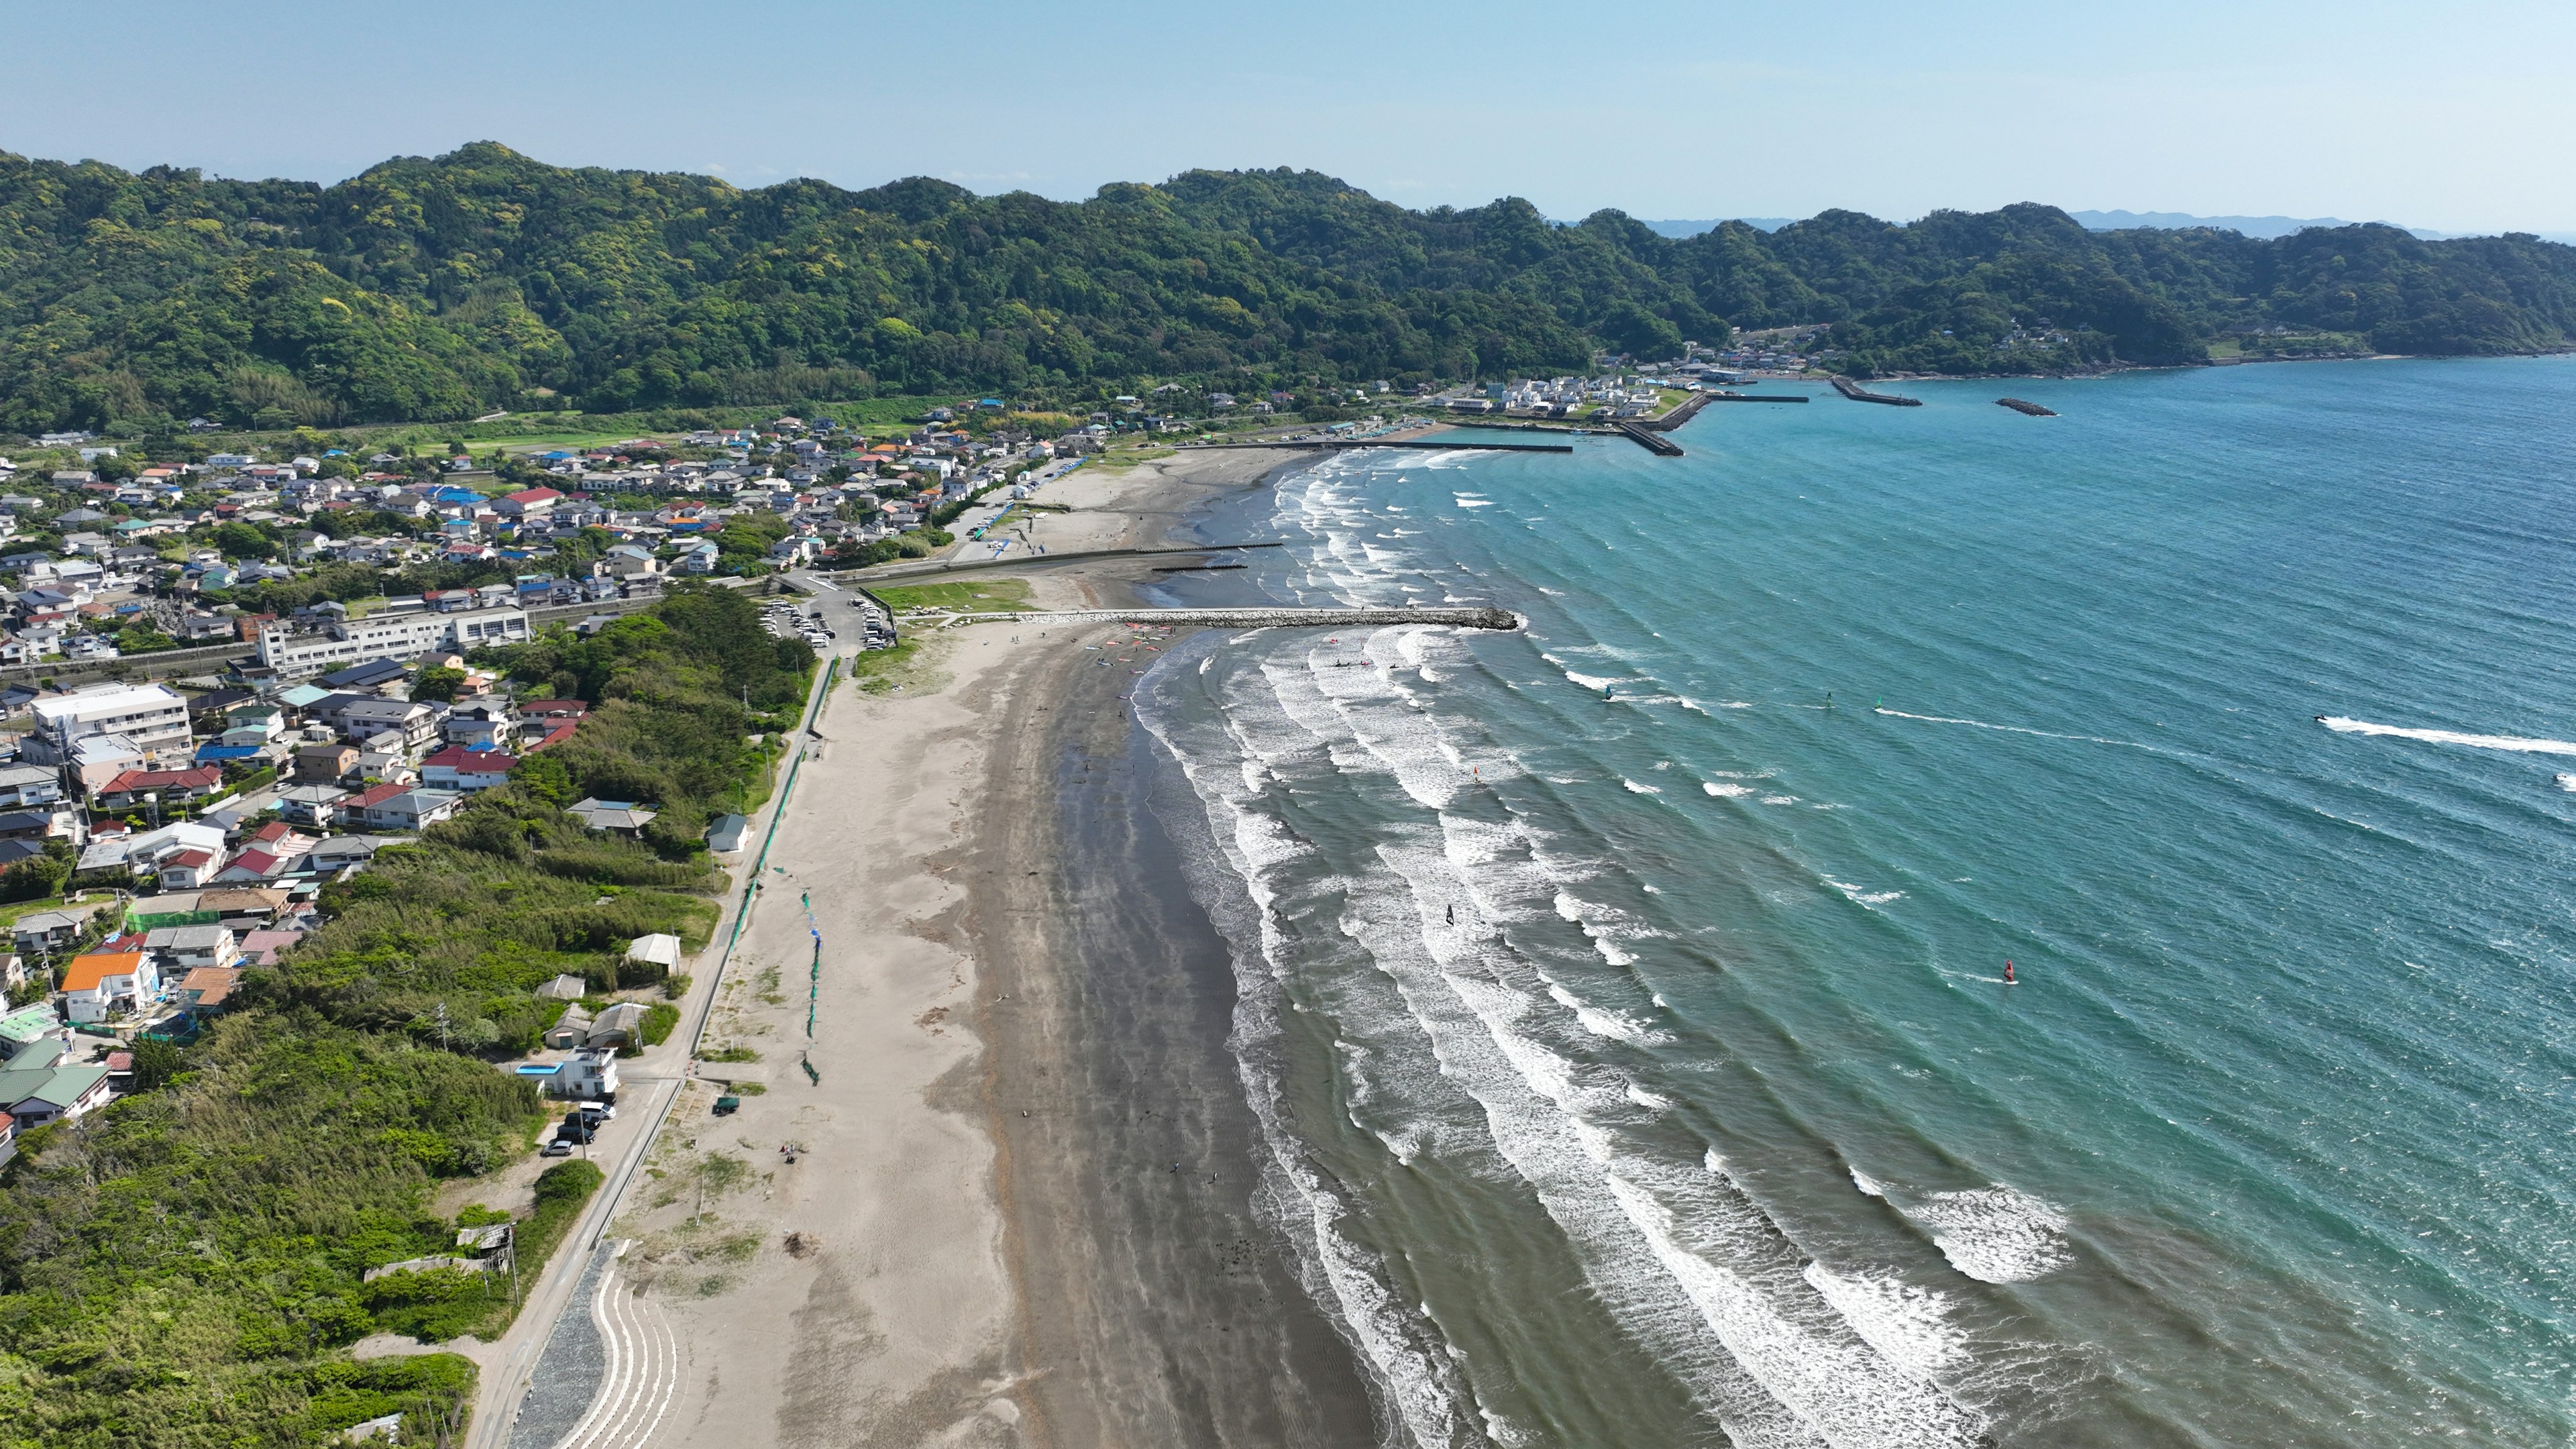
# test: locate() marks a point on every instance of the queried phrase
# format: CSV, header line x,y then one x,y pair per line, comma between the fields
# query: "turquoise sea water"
x,y
1624,996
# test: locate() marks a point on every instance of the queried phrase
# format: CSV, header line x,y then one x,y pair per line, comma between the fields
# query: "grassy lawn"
x,y
991,595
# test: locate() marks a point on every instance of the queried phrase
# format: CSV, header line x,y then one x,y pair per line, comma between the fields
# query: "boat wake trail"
x,y
2019,730
2516,743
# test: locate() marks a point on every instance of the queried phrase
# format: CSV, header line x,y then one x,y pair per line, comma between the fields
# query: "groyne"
x,y
1755,396
1858,393
2019,406
1652,442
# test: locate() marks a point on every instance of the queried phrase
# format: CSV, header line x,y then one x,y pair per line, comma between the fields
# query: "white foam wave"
x,y
1725,791
2018,730
1637,789
1474,503
1857,896
1997,1234
1912,1326
2515,743
1868,1185
1591,681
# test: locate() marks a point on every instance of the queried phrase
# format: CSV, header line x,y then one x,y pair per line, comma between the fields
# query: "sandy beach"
x,y
1013,1203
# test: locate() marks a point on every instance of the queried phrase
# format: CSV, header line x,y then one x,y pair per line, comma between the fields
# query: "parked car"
x,y
555,1147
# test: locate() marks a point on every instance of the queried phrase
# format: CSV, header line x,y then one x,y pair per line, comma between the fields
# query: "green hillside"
x,y
448,287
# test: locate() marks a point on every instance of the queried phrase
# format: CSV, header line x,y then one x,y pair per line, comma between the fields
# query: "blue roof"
x,y
216,754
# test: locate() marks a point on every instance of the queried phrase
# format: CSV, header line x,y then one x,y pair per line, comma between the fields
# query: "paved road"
x,y
651,1088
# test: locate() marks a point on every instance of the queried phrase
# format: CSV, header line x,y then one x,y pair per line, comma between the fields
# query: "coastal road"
x,y
662,1070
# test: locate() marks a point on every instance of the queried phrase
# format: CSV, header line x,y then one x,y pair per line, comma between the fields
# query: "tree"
x,y
544,778
439,683
241,541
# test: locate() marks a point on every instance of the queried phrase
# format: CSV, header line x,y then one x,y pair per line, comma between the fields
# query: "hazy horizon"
x,y
2370,110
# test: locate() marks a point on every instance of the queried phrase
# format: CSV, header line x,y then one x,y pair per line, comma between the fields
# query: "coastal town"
x,y
265,711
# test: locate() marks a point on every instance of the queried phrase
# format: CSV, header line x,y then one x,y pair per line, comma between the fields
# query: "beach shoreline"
x,y
1004,931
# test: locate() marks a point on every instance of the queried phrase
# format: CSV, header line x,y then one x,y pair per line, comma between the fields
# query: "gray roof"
x,y
188,938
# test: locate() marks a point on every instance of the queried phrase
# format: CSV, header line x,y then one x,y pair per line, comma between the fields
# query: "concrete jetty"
x,y
1858,393
1652,442
1485,617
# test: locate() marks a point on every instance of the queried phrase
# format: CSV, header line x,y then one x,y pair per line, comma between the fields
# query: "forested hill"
x,y
447,287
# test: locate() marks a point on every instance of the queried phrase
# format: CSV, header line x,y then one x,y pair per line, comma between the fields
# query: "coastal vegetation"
x,y
188,1265
457,286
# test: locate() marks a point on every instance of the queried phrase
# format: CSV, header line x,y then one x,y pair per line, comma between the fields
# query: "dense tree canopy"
x,y
440,288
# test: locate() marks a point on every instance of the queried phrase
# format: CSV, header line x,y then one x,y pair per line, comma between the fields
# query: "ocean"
x,y
1624,998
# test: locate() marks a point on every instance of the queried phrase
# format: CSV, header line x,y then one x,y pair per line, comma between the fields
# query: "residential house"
x,y
30,785
326,764
362,721
189,947
186,870
339,852
170,788
45,822
586,1076
104,982
32,1035
621,1025
458,768
45,932
614,817
571,1029
726,835
206,990
36,1096
528,503
315,805
399,807
368,677
659,951
261,948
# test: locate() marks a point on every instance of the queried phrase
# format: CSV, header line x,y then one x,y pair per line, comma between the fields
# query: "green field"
x,y
992,595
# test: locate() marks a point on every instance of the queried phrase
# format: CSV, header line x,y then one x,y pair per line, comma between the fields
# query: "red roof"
x,y
199,858
372,796
259,862
555,735
533,495
471,762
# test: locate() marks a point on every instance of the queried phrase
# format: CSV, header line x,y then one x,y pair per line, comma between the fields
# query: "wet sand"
x,y
1162,1307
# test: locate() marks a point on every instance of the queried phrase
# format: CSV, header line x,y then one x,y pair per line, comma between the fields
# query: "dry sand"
x,y
1019,1206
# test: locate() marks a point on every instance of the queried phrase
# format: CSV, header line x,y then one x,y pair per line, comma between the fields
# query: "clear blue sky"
x,y
2457,117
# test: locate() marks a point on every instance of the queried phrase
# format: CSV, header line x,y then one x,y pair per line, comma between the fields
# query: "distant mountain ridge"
x,y
2265,227
444,287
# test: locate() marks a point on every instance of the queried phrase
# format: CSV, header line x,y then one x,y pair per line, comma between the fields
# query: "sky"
x,y
2453,117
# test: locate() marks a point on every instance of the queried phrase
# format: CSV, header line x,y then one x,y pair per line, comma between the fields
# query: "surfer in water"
x,y
2008,975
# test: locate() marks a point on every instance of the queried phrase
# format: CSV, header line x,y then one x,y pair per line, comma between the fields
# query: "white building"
x,y
152,716
388,637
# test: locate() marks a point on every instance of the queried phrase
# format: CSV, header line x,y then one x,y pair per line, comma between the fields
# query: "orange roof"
x,y
87,971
